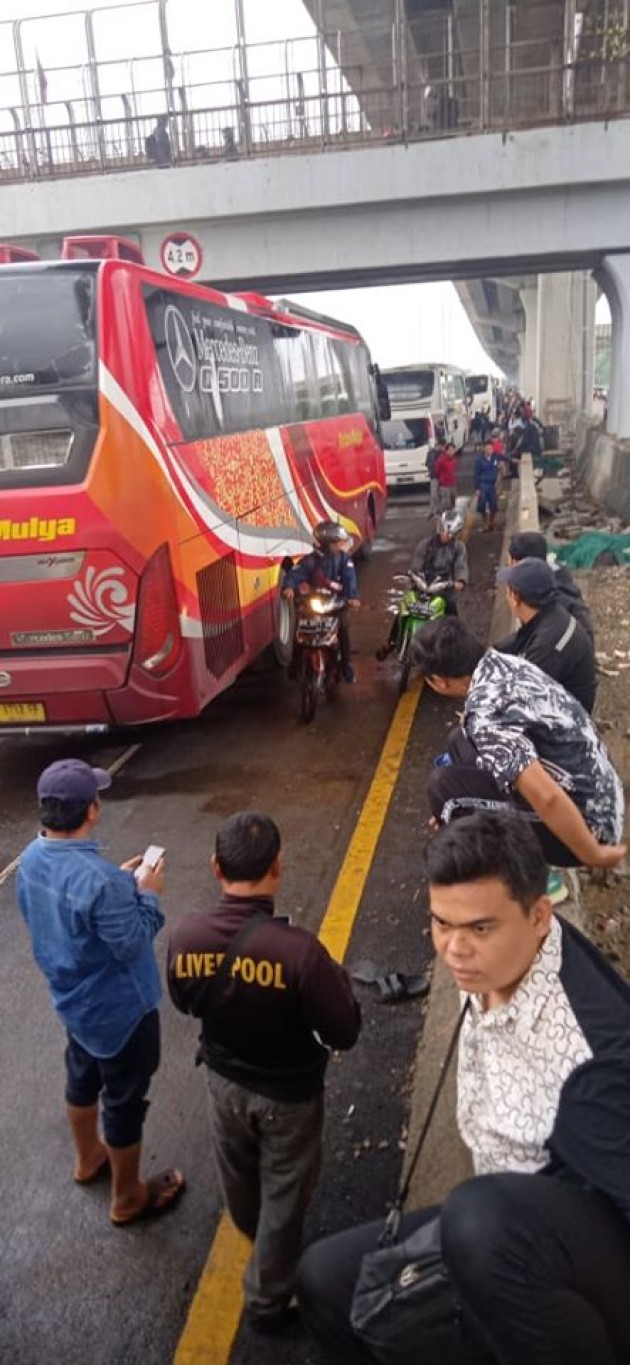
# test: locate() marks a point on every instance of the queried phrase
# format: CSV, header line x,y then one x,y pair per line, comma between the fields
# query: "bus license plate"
x,y
19,712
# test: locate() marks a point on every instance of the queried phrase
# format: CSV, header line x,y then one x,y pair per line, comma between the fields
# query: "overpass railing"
x,y
384,85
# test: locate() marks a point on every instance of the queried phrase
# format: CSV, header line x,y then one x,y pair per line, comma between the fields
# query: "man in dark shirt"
x,y
523,740
269,1019
532,545
548,635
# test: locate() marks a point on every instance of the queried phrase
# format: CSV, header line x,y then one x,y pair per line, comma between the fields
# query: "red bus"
x,y
162,447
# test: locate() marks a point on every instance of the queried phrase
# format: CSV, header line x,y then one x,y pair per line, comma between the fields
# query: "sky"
x,y
401,323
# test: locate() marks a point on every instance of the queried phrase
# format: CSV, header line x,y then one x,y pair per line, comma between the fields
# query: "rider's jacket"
x,y
270,1021
437,559
322,570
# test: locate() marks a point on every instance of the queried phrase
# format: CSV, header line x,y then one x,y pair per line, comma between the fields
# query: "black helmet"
x,y
328,535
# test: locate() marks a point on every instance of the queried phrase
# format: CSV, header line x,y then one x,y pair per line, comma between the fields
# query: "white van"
x,y
407,442
430,390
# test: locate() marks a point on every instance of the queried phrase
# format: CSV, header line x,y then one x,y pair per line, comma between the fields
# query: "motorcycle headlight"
x,y
319,607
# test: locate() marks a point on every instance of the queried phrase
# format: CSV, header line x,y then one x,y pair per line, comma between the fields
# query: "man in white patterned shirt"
x,y
523,740
537,1243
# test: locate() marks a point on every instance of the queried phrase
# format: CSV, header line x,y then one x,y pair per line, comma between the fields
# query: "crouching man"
x,y
272,1003
538,1242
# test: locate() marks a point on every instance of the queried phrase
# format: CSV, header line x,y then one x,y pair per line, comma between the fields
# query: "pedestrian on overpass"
x,y
272,1005
536,1244
92,927
548,635
523,741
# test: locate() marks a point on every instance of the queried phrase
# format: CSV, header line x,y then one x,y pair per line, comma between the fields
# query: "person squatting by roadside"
x,y
329,565
523,740
92,928
548,635
537,1243
446,474
267,1029
532,545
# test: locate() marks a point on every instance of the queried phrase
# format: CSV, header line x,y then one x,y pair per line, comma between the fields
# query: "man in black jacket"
x,y
537,1244
548,635
532,545
271,1006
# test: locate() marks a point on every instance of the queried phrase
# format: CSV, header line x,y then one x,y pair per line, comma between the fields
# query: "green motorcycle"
x,y
420,602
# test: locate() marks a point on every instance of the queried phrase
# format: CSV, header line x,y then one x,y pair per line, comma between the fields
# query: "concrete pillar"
x,y
614,279
566,345
529,343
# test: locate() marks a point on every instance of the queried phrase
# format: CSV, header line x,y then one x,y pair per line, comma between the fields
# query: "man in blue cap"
x,y
548,634
92,927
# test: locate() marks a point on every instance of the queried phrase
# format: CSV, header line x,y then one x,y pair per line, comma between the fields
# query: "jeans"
x,y
541,1265
462,788
268,1155
122,1081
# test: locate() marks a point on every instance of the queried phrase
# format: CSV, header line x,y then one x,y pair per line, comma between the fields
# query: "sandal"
x,y
163,1192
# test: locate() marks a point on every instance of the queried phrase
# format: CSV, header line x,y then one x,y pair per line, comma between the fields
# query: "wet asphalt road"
x,y
72,1288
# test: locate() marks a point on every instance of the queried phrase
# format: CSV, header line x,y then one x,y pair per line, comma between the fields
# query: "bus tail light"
x,y
158,637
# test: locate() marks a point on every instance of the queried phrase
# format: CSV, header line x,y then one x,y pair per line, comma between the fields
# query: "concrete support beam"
x,y
529,372
614,279
566,345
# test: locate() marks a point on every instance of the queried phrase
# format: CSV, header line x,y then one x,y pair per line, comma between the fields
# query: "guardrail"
x,y
333,91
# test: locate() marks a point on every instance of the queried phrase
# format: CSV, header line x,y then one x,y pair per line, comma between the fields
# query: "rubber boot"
x,y
129,1192
91,1153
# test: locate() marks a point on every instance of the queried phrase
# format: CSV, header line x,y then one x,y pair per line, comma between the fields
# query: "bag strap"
x,y
392,1221
237,943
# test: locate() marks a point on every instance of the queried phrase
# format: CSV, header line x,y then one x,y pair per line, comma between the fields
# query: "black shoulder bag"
x,y
404,1307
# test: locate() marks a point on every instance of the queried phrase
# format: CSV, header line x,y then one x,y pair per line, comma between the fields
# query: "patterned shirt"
x,y
513,1062
516,715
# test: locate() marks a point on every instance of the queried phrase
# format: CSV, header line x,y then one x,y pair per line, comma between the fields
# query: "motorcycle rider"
x,y
329,565
440,555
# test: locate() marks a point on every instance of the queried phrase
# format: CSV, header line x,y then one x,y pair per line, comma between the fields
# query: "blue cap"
x,y
70,779
533,580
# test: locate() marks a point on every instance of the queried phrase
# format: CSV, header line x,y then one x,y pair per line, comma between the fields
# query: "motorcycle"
x,y
318,664
420,602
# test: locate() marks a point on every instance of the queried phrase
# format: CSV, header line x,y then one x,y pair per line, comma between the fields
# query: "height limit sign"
x,y
181,255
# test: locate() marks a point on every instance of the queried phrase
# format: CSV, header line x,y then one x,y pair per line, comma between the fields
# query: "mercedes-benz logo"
x,y
5,679
180,348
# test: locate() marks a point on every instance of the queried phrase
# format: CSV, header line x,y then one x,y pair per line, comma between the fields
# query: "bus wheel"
x,y
365,549
282,644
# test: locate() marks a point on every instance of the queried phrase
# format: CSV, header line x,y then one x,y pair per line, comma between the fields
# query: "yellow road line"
x,y
215,1311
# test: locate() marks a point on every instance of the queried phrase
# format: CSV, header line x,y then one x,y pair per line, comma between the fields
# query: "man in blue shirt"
x,y
92,928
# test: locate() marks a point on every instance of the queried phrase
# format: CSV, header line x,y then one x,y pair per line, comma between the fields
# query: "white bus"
x,y
429,401
482,392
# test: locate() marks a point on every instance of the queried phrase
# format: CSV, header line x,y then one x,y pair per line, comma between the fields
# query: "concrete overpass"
x,y
467,63
496,207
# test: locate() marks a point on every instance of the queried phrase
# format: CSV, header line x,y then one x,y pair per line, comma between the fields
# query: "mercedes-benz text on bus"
x,y
162,447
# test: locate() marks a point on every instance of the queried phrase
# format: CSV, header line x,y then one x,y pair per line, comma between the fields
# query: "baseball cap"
x,y
532,579
70,779
528,545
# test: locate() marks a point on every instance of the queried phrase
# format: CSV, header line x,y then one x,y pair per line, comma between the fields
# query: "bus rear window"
x,y
47,331
410,386
477,383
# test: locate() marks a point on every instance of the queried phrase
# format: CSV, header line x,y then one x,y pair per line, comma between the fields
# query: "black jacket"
x,y
557,643
591,1134
570,596
270,1023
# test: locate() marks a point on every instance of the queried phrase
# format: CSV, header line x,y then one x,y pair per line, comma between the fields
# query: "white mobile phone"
x,y
150,858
